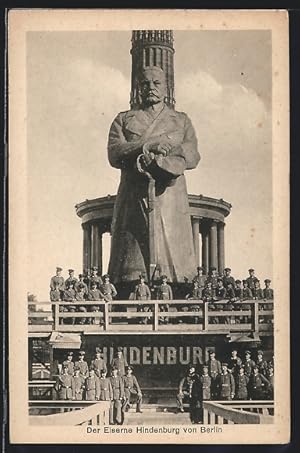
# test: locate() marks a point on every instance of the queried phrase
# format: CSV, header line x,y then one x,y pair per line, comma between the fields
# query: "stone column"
x,y
221,247
213,245
195,227
95,245
86,246
205,247
100,252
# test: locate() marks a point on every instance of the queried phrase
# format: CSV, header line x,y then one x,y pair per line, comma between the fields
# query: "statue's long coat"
x,y
173,232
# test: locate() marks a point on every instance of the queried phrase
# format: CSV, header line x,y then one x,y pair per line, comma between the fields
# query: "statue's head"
x,y
152,85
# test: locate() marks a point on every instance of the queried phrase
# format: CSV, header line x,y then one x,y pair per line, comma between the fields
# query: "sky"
x,y
77,82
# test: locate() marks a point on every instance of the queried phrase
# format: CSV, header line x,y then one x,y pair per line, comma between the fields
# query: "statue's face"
x,y
153,86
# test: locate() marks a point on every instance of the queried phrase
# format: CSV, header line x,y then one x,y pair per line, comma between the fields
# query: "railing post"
x,y
255,317
106,315
56,316
205,316
156,316
205,416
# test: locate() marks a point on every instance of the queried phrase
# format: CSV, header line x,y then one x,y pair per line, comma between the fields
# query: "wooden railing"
x,y
182,315
238,412
71,413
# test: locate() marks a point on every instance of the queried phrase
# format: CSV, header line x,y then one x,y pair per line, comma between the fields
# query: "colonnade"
x,y
212,253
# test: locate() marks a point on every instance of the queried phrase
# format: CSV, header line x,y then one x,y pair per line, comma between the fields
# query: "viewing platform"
x,y
126,317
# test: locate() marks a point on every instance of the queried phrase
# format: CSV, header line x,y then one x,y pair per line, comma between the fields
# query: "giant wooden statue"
x,y
153,146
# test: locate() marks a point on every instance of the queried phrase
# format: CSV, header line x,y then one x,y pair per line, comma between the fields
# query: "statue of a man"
x,y
153,146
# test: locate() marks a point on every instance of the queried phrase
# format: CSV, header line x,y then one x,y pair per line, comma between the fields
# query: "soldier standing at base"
x,y
115,413
241,381
261,363
69,363
57,286
185,388
205,380
196,401
270,377
164,292
234,363
142,292
82,365
98,363
64,385
92,387
200,278
214,369
251,279
78,385
226,384
131,388
119,361
105,388
258,385
248,364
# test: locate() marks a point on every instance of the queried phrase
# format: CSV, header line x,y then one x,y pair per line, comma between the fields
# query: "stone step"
x,y
156,418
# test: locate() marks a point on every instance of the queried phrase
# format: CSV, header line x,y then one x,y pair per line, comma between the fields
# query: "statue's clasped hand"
x,y
162,148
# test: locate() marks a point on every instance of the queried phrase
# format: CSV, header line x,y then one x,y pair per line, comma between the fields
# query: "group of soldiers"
x,y
209,288
79,381
237,379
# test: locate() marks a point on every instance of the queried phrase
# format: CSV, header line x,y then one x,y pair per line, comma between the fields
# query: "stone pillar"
x,y
195,227
213,245
205,247
95,245
86,247
221,247
100,252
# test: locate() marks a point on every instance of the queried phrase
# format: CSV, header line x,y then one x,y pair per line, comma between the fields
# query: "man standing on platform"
x,y
142,292
117,384
57,286
82,365
214,369
98,363
200,279
251,279
108,289
78,385
226,384
228,278
261,363
64,385
72,278
205,380
235,363
69,363
152,141
248,364
81,284
92,387
94,278
164,292
119,362
131,388
213,279
105,388
268,292
241,381
258,385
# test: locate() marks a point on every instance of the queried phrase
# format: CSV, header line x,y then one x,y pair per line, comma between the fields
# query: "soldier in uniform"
x,y
108,289
185,388
119,362
131,388
241,381
234,364
94,294
98,363
69,296
80,297
238,290
261,363
94,278
213,279
65,385
78,385
164,292
92,386
226,384
248,364
195,294
81,285
247,293
200,278
82,365
142,292
258,384
268,292
251,279
105,388
270,377
205,380
257,291
227,278
57,286
115,413
196,401
71,278
69,363
214,369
